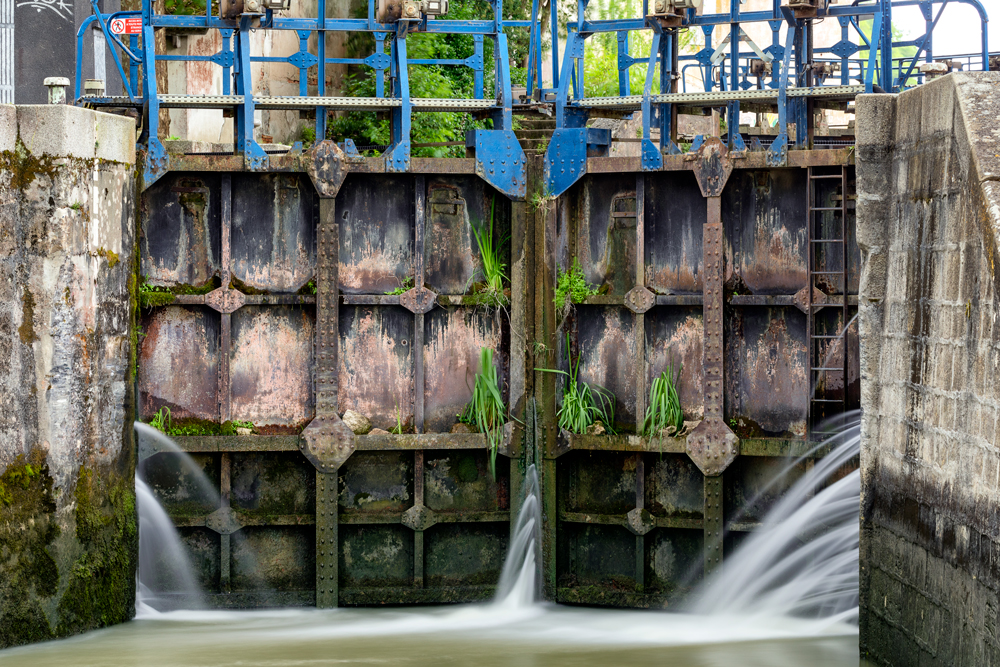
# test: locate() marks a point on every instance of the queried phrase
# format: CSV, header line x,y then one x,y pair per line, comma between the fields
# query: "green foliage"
x,y
404,287
600,73
486,411
583,406
572,287
76,206
308,288
493,270
442,81
190,8
161,420
664,409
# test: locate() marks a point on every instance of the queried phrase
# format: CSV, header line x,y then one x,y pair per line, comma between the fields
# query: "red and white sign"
x,y
128,25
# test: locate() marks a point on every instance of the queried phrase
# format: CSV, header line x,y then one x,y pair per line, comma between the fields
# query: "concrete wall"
x,y
928,165
68,534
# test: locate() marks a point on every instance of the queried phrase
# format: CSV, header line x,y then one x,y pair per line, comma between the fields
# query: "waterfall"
x,y
521,578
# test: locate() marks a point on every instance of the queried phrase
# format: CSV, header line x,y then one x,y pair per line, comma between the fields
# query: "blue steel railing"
x,y
792,82
731,73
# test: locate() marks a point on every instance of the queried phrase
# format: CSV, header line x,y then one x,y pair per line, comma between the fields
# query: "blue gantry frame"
x,y
732,70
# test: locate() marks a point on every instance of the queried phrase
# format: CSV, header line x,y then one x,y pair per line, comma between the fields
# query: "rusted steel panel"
x,y
375,556
273,558
460,481
601,556
675,213
203,550
754,484
764,213
176,486
607,345
598,482
451,252
376,364
766,377
375,214
272,484
377,481
673,487
674,559
271,365
458,555
273,240
452,343
179,363
606,243
180,240
674,336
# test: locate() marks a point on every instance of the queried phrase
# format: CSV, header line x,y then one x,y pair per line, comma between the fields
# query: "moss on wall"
x,y
101,588
27,530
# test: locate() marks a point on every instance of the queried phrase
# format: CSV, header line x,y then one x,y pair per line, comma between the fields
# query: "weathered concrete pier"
x,y
928,226
68,535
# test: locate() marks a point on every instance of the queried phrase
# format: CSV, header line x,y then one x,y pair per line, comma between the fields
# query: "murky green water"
x,y
467,635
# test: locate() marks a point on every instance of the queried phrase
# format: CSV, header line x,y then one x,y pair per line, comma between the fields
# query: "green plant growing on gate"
x,y
161,420
663,413
404,287
493,270
571,286
486,411
582,404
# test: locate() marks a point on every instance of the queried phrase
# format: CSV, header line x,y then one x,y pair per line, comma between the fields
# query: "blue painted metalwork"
x,y
864,55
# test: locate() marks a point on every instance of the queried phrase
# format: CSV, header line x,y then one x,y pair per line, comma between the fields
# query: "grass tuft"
x,y
572,287
486,411
583,405
403,288
493,270
664,409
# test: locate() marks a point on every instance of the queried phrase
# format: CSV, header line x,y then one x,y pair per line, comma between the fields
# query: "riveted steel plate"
x,y
419,517
712,166
712,446
327,442
327,552
713,523
640,521
223,521
225,300
418,300
639,299
801,298
326,168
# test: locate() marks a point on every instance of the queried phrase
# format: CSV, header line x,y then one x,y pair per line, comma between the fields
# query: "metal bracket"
x,y
378,61
327,168
566,155
223,521
254,157
801,299
640,521
397,157
777,153
639,299
327,442
419,517
156,163
418,300
226,58
500,160
713,167
712,446
302,59
652,158
225,300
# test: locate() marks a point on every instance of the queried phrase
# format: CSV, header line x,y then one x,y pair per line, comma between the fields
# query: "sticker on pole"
x,y
129,25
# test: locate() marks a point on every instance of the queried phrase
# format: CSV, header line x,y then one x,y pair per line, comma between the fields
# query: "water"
x,y
164,579
785,598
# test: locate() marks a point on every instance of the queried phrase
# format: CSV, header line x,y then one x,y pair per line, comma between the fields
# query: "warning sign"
x,y
129,25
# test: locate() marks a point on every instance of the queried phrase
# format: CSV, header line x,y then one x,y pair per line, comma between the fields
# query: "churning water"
x,y
786,598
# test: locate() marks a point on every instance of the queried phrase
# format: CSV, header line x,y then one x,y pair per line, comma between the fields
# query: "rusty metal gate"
x,y
266,304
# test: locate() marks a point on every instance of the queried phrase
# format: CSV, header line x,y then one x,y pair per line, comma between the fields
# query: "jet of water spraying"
x,y
803,561
521,577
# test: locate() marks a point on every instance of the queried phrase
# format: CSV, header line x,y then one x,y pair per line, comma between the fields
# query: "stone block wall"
x,y
68,526
928,165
